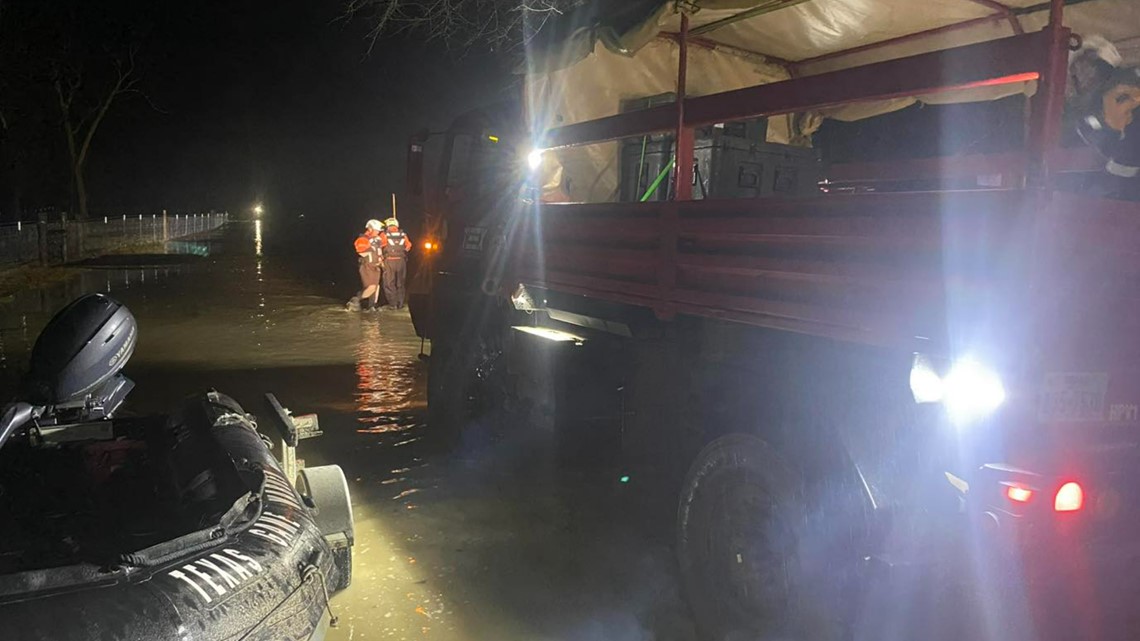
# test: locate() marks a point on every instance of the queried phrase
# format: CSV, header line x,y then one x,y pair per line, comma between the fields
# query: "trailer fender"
x,y
325,490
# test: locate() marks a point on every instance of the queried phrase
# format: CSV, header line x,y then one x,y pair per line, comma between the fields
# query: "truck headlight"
x,y
968,390
534,159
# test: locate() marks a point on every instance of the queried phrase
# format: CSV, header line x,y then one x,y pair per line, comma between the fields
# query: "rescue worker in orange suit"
x,y
394,248
368,251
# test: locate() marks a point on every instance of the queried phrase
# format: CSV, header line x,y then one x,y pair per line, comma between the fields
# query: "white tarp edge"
x,y
597,85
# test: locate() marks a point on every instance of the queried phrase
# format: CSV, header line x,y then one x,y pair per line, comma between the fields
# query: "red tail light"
x,y
1018,494
1070,497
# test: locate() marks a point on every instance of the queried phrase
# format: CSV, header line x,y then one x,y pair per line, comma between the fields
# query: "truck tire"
x,y
737,532
326,489
446,395
464,383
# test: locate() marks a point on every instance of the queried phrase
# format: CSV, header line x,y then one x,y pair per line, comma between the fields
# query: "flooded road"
x,y
494,541
503,538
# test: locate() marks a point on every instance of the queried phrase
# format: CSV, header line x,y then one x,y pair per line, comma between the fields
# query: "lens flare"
x,y
972,391
534,159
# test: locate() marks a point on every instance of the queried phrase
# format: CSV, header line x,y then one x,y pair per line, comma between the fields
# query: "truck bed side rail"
x,y
873,268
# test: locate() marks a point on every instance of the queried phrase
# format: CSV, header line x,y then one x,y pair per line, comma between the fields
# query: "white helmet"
x,y
374,224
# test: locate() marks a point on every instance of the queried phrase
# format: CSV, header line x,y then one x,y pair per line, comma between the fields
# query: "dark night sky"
x,y
279,101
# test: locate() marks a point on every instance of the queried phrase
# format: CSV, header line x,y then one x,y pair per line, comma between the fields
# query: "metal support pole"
x,y
1049,103
66,236
165,227
1004,11
682,185
683,173
79,227
41,238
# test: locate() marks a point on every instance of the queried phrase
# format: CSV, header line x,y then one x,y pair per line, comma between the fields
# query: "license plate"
x,y
1073,397
473,238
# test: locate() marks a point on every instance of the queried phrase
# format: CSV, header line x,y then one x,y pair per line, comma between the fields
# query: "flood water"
x,y
500,539
493,541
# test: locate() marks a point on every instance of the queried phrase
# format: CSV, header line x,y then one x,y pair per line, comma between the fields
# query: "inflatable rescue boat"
x,y
179,526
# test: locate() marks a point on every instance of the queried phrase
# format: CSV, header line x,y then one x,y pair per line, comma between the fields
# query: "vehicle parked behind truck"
x,y
901,364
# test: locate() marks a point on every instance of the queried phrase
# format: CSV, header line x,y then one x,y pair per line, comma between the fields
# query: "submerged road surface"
x,y
491,542
499,540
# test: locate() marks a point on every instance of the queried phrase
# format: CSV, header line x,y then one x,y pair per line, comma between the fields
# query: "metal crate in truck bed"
x,y
730,160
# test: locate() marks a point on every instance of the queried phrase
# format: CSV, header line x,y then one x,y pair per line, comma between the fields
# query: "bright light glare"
x,y
549,334
925,383
1070,498
428,245
257,209
971,391
1018,494
534,159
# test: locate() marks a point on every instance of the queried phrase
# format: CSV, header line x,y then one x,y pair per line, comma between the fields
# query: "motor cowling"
x,y
81,349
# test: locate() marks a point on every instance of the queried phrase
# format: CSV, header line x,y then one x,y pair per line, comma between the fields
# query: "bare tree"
x,y
80,122
503,25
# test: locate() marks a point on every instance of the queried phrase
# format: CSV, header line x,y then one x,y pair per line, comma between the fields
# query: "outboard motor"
x,y
75,366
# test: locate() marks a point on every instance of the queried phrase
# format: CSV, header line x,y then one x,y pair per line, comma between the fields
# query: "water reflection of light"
x,y
387,383
260,316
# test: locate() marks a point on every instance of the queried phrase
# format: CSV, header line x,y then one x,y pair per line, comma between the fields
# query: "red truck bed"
x,y
873,268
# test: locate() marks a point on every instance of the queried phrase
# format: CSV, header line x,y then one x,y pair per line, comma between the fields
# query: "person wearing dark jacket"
x,y
1107,100
394,248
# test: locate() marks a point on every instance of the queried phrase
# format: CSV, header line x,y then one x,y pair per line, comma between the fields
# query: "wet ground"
x,y
501,539
494,541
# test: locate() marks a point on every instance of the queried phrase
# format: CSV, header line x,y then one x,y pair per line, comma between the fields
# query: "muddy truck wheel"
x,y
739,522
464,382
445,394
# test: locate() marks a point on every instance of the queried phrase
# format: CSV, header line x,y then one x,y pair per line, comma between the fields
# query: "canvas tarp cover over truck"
x,y
593,66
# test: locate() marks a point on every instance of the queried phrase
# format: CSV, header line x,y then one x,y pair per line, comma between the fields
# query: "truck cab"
x,y
475,180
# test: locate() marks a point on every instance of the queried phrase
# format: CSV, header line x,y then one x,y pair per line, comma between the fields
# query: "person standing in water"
x,y
368,254
394,248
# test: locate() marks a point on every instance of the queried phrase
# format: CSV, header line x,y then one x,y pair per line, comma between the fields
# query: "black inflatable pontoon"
x,y
180,526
